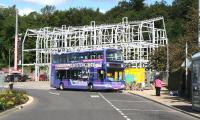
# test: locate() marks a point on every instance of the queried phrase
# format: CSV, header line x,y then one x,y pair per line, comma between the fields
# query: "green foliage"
x,y
181,27
9,99
137,4
159,59
181,23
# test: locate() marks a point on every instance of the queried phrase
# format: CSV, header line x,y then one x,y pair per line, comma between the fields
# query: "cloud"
x,y
103,10
44,2
2,5
25,11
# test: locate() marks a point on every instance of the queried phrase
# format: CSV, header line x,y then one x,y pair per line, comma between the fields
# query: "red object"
x,y
163,84
42,77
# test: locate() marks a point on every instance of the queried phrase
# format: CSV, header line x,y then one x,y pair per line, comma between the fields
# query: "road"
x,y
83,105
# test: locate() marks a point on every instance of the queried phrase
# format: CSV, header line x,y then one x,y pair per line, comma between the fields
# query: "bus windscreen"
x,y
115,74
113,55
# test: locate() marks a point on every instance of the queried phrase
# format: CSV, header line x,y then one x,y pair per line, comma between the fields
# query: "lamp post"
x,y
186,65
199,26
16,43
9,62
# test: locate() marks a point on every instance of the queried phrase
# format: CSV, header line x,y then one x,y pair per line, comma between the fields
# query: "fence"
x,y
139,76
152,75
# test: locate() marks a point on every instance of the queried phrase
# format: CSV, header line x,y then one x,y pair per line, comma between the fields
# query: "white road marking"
x,y
129,101
94,96
146,110
117,109
53,93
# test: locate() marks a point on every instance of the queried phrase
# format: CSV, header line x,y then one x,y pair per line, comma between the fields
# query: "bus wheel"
x,y
61,87
90,87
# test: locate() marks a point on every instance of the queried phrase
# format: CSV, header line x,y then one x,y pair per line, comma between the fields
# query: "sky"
x,y
27,6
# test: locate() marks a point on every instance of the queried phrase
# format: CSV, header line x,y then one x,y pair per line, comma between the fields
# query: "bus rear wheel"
x,y
90,87
61,87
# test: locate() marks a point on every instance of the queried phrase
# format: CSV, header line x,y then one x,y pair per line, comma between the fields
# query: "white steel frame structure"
x,y
136,39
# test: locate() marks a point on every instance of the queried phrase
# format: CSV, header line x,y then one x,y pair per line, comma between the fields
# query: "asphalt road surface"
x,y
83,105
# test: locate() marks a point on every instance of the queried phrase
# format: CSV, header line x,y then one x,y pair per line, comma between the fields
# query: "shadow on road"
x,y
186,108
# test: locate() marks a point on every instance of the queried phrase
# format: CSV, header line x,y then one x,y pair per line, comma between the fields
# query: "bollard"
x,y
11,85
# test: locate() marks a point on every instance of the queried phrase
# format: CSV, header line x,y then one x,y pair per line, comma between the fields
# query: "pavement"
x,y
174,102
40,85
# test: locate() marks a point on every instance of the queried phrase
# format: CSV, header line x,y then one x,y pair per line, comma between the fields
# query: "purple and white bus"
x,y
92,70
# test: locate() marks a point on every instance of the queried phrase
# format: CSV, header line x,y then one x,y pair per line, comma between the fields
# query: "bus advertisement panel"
x,y
93,70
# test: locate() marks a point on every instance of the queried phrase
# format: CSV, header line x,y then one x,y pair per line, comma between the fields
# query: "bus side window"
x,y
86,56
79,74
58,75
68,74
67,58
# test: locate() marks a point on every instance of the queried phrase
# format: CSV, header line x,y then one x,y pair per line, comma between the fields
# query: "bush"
x,y
11,98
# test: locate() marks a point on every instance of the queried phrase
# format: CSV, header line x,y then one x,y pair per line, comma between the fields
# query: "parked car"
x,y
43,77
16,77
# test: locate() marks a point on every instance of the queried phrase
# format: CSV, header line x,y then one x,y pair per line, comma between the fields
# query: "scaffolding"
x,y
136,39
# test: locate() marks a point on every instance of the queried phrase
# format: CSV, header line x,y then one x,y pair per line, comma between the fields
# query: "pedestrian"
x,y
142,85
158,85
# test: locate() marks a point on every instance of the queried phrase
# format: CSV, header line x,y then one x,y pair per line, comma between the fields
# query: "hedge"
x,y
11,98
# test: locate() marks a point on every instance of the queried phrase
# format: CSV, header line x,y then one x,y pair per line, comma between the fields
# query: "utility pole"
x,y
9,63
186,69
16,42
199,27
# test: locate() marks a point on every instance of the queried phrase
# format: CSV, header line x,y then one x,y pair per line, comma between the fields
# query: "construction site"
x,y
136,39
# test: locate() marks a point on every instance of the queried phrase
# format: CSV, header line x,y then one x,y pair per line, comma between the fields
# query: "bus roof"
x,y
88,51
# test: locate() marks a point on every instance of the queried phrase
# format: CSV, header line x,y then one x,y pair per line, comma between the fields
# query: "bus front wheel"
x,y
90,87
61,87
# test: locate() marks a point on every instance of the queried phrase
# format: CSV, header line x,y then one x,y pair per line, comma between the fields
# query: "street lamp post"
x,y
186,65
9,62
16,42
199,26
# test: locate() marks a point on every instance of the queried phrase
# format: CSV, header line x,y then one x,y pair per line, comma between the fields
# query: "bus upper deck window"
x,y
100,57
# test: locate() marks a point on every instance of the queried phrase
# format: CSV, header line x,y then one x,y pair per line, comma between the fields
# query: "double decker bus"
x,y
92,70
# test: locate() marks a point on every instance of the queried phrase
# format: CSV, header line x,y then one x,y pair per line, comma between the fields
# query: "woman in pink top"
x,y
158,85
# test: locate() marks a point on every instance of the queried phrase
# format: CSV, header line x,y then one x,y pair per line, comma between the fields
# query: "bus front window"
x,y
115,75
113,55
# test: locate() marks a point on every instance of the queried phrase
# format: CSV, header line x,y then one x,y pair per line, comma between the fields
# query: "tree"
x,y
186,33
137,4
181,20
47,13
48,10
7,32
158,59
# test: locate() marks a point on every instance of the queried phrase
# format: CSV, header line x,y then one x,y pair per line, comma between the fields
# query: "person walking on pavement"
x,y
158,85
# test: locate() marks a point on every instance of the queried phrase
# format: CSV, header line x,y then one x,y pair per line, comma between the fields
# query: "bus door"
x,y
92,75
100,75
61,76
53,76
